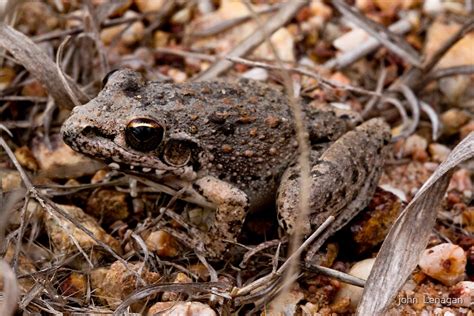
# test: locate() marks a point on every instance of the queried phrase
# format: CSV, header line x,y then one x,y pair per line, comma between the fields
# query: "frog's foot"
x,y
231,208
344,179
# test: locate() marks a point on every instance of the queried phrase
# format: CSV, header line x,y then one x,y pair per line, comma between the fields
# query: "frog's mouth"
x,y
82,136
175,181
95,143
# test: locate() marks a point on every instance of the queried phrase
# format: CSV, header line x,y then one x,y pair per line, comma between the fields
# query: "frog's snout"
x,y
75,130
70,130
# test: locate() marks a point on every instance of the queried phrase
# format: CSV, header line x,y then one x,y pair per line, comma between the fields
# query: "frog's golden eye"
x,y
177,153
144,134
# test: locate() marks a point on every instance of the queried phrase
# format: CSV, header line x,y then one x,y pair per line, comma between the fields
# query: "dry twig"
x,y
227,24
53,209
285,13
392,41
11,292
400,27
39,64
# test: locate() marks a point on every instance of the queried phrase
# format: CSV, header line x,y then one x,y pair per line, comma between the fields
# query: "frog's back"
x,y
243,96
245,128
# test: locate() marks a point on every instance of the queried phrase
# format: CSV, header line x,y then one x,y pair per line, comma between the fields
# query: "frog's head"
x,y
122,128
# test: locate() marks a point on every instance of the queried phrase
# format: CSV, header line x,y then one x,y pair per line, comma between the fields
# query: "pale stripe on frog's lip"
x,y
184,173
116,166
106,150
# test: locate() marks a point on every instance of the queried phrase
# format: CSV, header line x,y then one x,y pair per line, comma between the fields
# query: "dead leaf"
x,y
409,235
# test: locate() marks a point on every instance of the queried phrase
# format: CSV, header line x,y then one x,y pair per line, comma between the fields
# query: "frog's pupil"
x,y
144,134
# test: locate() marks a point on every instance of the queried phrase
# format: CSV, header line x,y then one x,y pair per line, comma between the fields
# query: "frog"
x,y
230,146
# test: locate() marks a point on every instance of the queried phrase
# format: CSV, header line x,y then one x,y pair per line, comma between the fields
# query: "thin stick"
x,y
109,23
436,57
412,100
303,158
266,279
338,275
255,39
39,64
448,72
227,24
66,85
348,58
51,207
306,72
393,42
306,243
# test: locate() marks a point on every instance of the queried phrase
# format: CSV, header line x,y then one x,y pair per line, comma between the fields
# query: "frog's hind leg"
x,y
344,179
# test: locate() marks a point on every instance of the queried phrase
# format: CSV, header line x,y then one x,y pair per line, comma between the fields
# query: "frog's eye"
x,y
177,153
144,134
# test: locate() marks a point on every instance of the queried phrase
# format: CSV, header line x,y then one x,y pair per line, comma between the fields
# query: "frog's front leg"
x,y
344,179
232,205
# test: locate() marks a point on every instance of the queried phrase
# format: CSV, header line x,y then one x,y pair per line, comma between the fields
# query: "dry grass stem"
x,y
448,72
39,64
283,15
59,56
230,23
290,267
217,288
11,292
52,208
392,41
348,58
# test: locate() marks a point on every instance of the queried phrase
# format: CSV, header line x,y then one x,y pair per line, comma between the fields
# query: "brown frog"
x,y
230,146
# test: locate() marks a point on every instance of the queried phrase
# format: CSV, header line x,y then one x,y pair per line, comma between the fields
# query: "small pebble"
x,y
452,121
414,145
361,270
464,291
445,263
181,308
438,152
461,181
127,35
432,7
256,73
467,129
162,243
145,6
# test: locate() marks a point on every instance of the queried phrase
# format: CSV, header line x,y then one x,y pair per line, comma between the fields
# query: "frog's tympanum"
x,y
231,146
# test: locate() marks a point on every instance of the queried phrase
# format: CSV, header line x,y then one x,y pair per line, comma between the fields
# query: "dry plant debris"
x,y
80,237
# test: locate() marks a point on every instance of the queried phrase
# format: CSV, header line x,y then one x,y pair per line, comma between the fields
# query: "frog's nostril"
x,y
93,131
89,131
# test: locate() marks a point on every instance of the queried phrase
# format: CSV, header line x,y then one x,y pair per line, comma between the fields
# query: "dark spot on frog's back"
x,y
227,129
355,176
131,89
217,118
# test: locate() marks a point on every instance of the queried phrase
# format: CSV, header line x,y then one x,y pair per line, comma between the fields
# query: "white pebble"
x,y
432,7
439,152
256,73
413,144
114,165
445,263
361,270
